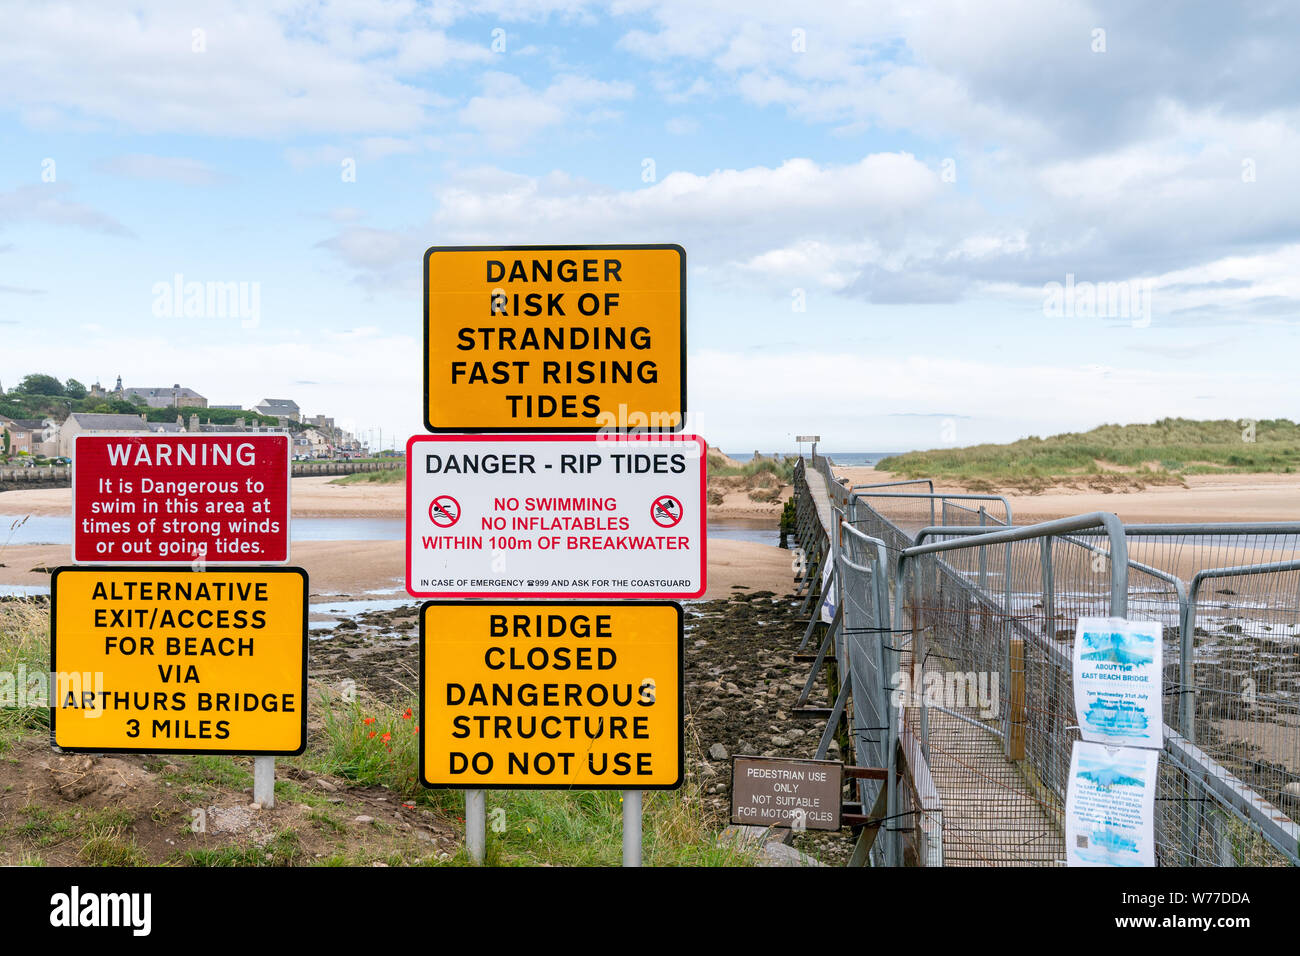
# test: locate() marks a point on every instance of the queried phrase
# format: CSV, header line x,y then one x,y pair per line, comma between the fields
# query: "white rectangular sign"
x,y
555,516
1110,806
1117,688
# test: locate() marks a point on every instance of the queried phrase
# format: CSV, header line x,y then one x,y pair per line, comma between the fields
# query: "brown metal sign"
x,y
780,792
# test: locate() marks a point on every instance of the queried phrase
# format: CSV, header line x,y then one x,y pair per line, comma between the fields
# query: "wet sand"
x,y
357,567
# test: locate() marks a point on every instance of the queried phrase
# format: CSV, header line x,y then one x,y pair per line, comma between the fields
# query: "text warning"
x,y
551,695
177,499
555,338
157,660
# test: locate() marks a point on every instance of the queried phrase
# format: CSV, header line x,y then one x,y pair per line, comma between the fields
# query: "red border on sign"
x,y
666,439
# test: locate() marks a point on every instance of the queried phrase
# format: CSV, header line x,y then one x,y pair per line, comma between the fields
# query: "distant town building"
x,y
284,409
88,423
34,436
174,397
240,425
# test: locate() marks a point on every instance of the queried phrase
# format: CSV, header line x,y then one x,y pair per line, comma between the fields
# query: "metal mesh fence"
x,y
987,723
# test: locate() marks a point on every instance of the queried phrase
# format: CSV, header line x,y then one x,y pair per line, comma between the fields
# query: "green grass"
x,y
283,849
563,828
198,776
585,828
24,653
1163,451
391,476
352,745
780,468
107,841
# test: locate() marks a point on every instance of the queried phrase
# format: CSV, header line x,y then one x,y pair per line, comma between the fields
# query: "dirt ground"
x,y
79,810
741,686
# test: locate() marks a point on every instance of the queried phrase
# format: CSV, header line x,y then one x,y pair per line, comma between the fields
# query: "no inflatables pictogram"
x,y
666,511
444,511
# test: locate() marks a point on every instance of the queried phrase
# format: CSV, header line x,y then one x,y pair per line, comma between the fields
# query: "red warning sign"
x,y
175,499
444,511
666,511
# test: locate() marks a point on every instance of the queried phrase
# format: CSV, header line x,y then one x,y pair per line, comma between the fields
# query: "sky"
x,y
907,225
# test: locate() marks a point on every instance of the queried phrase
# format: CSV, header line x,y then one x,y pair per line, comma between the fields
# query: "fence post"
x,y
1049,588
1016,716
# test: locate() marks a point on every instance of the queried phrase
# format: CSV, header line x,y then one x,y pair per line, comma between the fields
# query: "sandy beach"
x,y
356,568
368,568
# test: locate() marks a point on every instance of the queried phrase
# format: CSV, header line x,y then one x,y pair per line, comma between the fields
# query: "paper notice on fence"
x,y
829,596
1117,689
1110,806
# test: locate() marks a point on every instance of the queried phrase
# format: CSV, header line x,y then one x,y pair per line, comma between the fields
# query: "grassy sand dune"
x,y
1113,457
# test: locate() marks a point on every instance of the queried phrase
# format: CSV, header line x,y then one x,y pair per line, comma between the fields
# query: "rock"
x,y
363,819
255,806
718,752
780,741
325,784
744,747
717,713
778,854
794,733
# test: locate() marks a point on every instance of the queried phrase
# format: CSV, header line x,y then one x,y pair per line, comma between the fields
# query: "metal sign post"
x,y
264,782
631,827
475,825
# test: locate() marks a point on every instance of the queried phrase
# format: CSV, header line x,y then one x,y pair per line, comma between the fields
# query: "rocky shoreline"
x,y
741,684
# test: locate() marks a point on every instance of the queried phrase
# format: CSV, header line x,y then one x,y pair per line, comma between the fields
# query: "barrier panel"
x,y
975,670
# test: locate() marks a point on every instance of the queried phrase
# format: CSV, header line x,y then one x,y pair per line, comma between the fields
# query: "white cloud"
x,y
177,169
264,68
509,113
49,203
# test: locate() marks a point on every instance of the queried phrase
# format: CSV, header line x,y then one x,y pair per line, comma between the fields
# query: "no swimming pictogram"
x,y
444,511
666,511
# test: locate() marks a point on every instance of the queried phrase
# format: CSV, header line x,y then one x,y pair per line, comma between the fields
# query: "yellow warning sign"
x,y
165,661
548,695
555,338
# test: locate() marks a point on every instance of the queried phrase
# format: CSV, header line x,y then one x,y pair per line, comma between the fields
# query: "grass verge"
x,y
391,476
